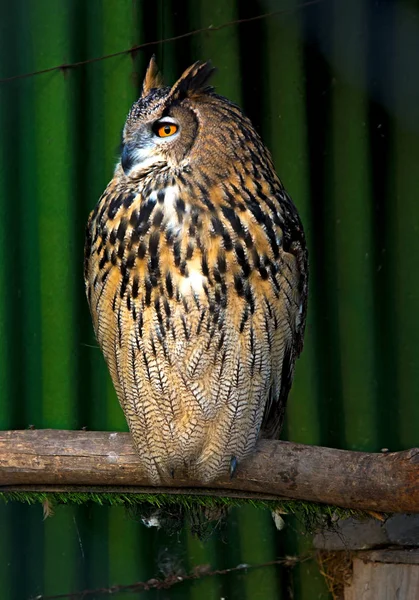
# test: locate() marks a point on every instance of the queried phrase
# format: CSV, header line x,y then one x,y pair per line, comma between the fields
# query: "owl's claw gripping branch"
x,y
53,460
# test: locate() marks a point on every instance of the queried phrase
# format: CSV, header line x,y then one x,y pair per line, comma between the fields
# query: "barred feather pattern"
x,y
196,277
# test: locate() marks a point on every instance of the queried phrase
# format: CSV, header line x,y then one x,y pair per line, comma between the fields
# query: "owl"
x,y
196,276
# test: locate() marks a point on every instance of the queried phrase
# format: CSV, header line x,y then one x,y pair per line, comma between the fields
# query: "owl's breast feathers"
x,y
198,295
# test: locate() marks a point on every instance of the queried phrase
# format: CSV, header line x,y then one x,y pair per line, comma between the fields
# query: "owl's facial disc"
x,y
148,146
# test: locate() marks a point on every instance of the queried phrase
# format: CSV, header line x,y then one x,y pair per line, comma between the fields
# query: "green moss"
x,y
310,514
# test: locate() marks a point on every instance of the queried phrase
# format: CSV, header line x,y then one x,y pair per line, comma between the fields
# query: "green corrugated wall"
x,y
333,88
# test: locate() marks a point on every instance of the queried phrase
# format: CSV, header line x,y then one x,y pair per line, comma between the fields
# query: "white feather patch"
x,y
194,282
171,194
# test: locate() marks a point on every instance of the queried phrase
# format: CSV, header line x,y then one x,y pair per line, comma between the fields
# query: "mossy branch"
x,y
100,462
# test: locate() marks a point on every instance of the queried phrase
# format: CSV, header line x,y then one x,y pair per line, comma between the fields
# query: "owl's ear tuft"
x,y
153,78
193,81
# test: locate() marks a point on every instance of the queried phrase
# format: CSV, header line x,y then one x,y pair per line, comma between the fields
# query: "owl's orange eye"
x,y
166,129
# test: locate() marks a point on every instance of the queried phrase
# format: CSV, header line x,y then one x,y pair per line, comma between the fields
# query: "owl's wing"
x,y
294,255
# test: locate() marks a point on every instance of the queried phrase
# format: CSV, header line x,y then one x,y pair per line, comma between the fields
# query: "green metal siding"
x,y
333,88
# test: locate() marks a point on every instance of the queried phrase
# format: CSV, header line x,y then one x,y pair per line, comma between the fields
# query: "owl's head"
x,y
179,126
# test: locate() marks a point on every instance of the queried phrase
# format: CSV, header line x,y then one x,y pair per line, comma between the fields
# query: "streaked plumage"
x,y
196,277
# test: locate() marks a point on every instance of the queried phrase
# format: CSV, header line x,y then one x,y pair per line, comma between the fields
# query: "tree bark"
x,y
51,460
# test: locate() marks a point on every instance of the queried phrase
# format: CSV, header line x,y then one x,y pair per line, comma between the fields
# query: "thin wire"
x,y
175,38
199,572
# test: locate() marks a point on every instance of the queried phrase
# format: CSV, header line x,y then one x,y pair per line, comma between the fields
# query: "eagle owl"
x,y
196,277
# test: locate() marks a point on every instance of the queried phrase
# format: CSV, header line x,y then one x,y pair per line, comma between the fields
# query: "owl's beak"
x,y
138,157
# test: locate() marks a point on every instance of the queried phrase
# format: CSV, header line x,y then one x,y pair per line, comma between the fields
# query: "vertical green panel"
x,y
221,47
404,220
128,560
167,57
306,581
6,379
257,545
322,285
25,559
61,553
172,19
9,257
286,136
98,173
203,553
19,317
29,246
168,556
53,192
351,220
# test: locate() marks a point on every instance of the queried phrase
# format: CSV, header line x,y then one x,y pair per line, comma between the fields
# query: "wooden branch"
x,y
75,460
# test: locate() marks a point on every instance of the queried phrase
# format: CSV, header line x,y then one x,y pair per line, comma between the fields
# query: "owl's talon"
x,y
233,466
